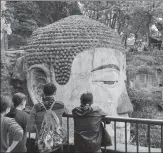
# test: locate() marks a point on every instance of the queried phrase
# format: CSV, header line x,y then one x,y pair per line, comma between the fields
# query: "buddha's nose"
x,y
124,104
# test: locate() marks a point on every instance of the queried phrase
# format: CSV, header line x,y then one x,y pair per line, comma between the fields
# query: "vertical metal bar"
x,y
126,137
30,143
137,138
149,139
161,138
105,145
115,145
68,134
61,149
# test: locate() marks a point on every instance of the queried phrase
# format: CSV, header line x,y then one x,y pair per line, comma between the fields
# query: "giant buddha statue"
x,y
78,54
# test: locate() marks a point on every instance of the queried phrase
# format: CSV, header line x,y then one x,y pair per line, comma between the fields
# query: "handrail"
x,y
126,149
137,121
130,120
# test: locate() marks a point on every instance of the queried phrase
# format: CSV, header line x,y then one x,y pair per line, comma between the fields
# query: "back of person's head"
x,y
86,98
49,89
17,99
5,104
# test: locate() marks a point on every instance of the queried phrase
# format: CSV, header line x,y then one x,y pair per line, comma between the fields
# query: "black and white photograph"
x,y
81,76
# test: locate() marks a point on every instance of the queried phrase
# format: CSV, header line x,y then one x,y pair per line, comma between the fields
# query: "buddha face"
x,y
99,71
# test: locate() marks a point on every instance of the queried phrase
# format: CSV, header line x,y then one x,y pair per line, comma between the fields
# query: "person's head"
x,y
86,98
49,89
5,105
19,100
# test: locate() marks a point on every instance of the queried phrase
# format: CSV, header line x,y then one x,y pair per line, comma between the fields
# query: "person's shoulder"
x,y
25,115
59,105
9,120
96,108
22,112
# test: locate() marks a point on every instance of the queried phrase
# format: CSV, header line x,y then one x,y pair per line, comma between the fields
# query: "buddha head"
x,y
77,54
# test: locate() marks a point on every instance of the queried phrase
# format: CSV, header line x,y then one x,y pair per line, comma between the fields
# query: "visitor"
x,y
21,117
87,125
9,127
38,110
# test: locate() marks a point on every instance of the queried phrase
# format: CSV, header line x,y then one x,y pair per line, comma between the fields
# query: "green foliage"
x,y
155,136
5,75
145,108
128,17
26,16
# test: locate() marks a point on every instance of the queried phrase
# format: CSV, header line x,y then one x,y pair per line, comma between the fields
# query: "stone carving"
x,y
78,54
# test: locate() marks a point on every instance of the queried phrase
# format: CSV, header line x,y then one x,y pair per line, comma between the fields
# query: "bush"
x,y
145,108
6,88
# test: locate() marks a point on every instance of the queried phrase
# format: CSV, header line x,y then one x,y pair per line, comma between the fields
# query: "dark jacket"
x,y
38,111
87,128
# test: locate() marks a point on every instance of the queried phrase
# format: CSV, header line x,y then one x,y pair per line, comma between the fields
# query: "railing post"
x,y
105,127
137,138
161,138
149,139
68,134
115,144
126,137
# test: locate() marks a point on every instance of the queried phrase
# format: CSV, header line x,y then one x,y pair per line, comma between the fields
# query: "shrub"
x,y
145,108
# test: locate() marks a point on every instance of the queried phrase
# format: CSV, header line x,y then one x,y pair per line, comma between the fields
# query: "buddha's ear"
x,y
37,76
124,103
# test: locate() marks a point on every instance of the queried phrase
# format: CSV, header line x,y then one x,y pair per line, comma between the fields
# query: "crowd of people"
x,y
46,117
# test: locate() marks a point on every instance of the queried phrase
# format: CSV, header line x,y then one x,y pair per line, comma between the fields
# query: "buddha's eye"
x,y
110,82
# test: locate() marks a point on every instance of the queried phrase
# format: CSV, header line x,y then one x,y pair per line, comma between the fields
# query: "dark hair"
x,y
86,98
49,89
5,103
17,99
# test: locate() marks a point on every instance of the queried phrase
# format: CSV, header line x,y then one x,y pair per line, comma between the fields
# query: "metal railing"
x,y
137,121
